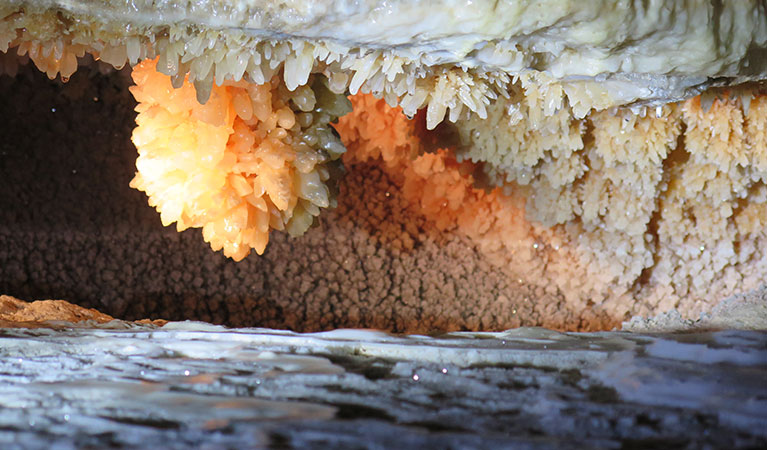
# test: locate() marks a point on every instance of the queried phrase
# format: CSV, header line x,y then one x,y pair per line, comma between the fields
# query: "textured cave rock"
x,y
193,384
76,378
71,228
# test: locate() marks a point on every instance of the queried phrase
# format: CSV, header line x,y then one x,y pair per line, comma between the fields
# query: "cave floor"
x,y
190,384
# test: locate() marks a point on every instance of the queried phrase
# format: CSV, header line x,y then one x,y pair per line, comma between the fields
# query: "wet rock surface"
x,y
193,384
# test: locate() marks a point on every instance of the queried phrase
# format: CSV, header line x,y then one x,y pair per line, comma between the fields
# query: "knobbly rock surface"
x,y
741,311
15,310
194,384
54,313
72,228
72,377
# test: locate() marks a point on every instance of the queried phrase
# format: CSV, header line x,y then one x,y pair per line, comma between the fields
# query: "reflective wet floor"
x,y
197,385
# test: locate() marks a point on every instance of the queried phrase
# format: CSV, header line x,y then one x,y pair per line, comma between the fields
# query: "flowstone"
x,y
193,384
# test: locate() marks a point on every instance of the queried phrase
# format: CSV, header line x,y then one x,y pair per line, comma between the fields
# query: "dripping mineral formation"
x,y
612,150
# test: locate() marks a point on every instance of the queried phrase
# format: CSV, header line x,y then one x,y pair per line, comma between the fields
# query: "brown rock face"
x,y
43,313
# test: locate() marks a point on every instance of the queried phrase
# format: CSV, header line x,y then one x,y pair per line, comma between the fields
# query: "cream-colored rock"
x,y
451,56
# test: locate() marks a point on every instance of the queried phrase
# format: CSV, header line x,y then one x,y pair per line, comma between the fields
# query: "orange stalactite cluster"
x,y
440,187
238,166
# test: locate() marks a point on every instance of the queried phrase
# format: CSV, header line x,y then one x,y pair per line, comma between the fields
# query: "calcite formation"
x,y
241,164
617,151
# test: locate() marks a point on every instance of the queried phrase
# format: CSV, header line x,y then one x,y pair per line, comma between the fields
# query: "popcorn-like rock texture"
x,y
589,195
72,228
620,210
198,385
